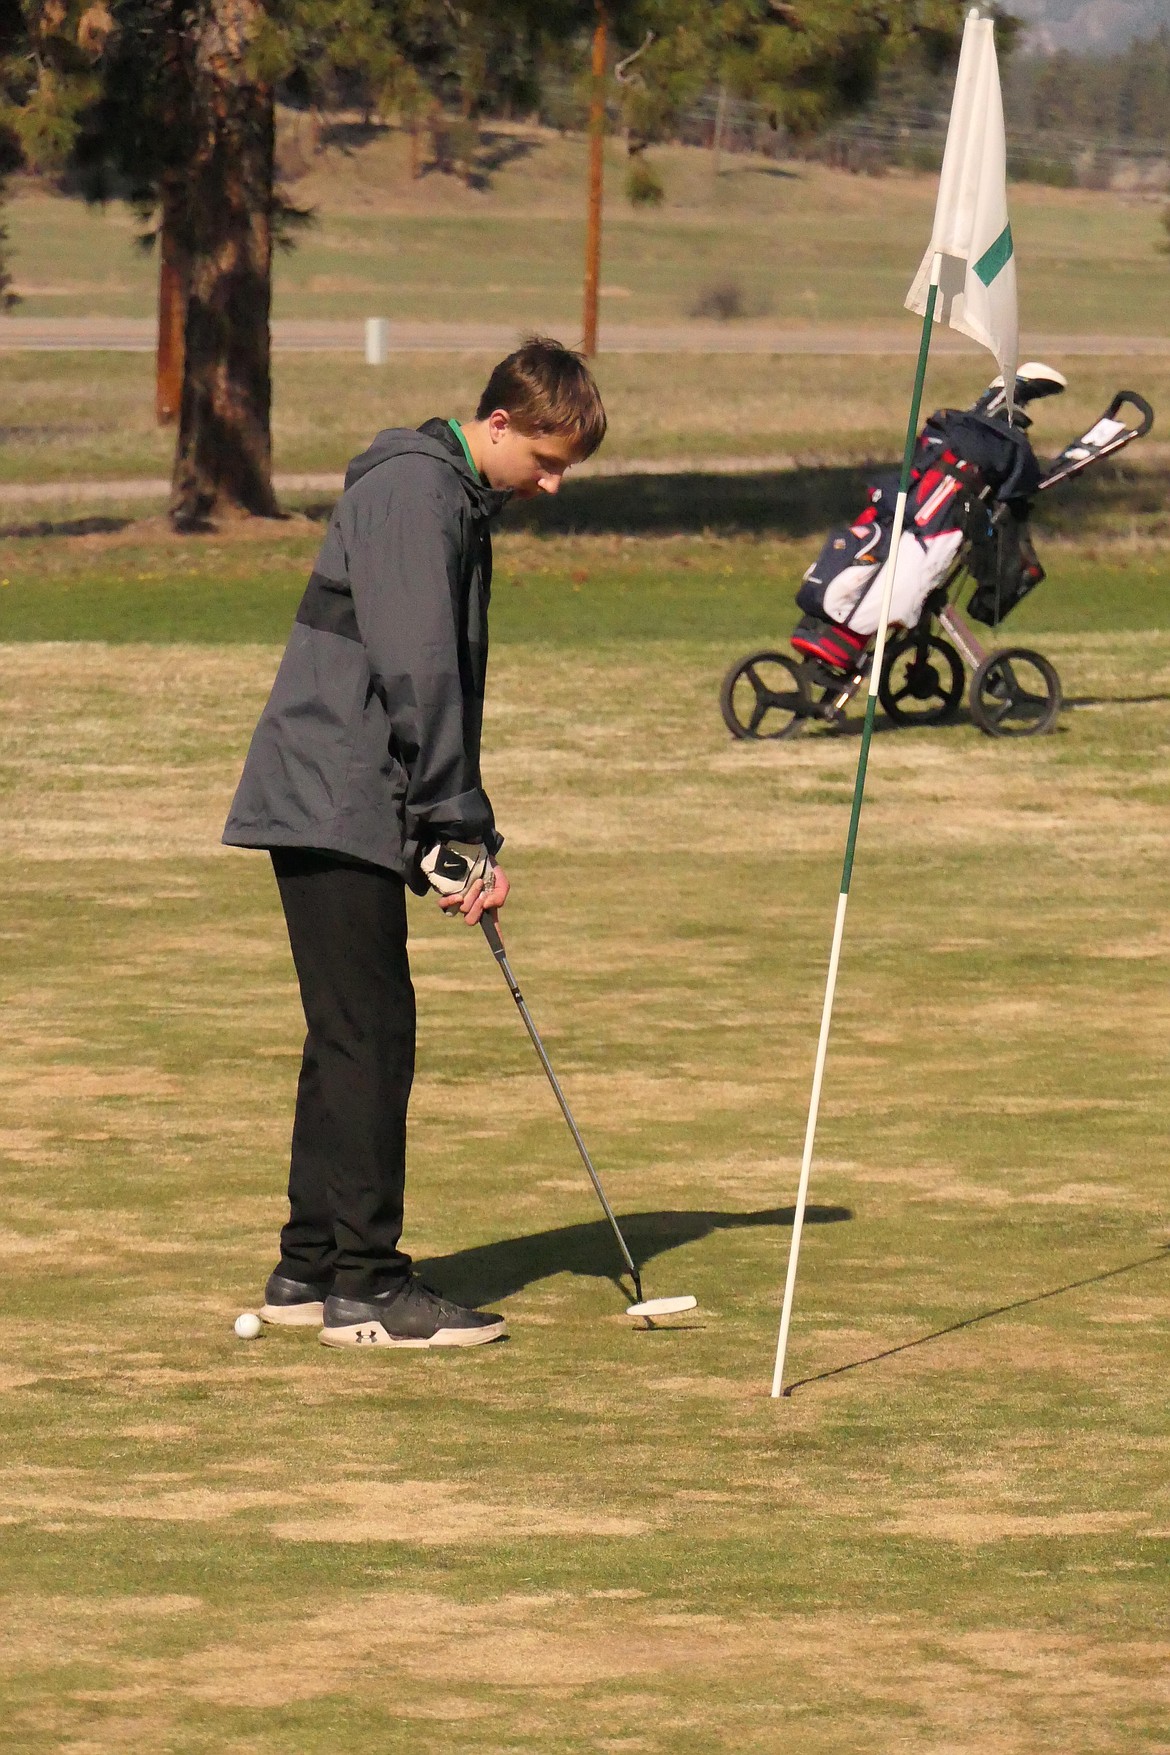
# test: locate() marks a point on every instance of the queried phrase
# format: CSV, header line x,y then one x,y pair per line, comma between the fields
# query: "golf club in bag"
x,y
644,1306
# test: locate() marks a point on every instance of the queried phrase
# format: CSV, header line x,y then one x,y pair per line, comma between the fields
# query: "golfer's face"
x,y
529,465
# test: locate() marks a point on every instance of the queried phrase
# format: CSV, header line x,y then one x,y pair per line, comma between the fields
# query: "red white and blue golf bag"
x,y
973,480
968,466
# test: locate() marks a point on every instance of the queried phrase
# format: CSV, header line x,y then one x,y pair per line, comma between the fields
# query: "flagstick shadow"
x,y
1129,1267
852,725
1115,700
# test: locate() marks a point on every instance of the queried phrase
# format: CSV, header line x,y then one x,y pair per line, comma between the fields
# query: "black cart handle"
x,y
1135,401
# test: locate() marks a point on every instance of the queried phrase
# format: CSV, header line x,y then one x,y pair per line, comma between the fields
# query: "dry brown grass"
x,y
599,1538
516,1666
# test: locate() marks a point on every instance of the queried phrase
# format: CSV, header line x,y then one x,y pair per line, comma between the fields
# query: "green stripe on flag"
x,y
995,257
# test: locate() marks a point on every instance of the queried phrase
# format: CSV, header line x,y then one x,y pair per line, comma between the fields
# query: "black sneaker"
x,y
294,1303
410,1315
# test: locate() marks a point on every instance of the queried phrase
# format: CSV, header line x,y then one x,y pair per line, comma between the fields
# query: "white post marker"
x,y
377,340
968,261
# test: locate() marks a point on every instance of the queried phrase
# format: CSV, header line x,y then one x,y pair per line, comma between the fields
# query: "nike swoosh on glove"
x,y
451,867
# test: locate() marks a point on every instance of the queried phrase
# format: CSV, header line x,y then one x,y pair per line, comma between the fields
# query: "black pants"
x,y
347,928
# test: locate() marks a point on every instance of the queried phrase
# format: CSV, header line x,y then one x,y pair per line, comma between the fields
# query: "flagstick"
x,y
855,817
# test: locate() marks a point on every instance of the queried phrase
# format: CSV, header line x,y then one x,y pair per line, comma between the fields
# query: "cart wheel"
x,y
1015,693
764,695
921,690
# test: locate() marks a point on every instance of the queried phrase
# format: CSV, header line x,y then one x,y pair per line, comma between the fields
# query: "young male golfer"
x,y
362,779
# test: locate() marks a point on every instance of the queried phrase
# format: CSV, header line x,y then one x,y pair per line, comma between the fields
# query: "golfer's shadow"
x,y
492,1271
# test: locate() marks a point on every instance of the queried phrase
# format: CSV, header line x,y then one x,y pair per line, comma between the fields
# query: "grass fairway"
x,y
594,1538
91,416
802,242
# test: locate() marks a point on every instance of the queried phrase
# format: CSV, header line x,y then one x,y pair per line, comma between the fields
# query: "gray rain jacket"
x,y
369,743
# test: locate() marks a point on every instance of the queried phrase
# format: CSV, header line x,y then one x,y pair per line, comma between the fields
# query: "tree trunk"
x,y
223,460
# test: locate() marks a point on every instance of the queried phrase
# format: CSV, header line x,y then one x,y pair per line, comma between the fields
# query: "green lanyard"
x,y
462,437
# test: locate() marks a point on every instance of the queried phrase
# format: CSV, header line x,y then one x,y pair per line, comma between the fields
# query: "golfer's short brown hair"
x,y
547,388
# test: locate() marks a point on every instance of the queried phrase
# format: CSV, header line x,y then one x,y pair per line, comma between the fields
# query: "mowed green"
x,y
595,1537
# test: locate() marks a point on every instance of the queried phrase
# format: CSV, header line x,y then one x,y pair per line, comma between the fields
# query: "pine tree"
x,y
185,129
804,62
170,104
223,452
48,51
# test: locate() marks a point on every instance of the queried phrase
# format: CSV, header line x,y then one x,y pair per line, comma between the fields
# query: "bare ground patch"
x,y
426,1513
83,1083
435,1513
157,1499
943,1522
1004,1690
26,1145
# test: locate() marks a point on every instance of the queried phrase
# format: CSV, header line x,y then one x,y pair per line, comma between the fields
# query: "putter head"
x,y
662,1306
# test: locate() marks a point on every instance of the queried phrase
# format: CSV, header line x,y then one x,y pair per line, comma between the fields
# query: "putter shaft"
x,y
492,933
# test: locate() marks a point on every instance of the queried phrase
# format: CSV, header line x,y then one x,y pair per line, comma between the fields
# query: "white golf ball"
x,y
248,1325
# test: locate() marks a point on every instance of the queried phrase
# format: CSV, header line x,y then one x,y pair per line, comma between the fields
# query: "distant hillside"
x,y
1087,26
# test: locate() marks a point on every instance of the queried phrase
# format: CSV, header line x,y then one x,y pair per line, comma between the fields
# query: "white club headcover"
x,y
451,867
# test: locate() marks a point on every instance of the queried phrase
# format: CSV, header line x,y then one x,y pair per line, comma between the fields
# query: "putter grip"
x,y
492,933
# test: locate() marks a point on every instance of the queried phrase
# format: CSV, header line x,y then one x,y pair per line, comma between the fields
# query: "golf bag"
x,y
1003,563
973,480
968,465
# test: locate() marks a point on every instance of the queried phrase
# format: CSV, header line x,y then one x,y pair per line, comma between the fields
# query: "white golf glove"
x,y
451,867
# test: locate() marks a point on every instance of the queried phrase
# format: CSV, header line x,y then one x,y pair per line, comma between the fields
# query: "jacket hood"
x,y
433,439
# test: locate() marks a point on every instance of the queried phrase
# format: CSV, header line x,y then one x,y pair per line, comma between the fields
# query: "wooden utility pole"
x,y
172,310
596,162
720,118
172,227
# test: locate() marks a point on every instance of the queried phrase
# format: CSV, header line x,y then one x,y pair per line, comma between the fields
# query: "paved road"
x,y
289,335
56,492
136,335
70,493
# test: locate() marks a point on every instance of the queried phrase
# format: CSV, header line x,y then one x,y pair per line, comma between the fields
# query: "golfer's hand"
x,y
478,897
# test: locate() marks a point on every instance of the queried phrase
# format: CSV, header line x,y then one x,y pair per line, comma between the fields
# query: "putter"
x,y
648,1307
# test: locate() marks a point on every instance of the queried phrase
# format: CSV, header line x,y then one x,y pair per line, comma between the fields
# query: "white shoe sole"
x,y
293,1315
366,1334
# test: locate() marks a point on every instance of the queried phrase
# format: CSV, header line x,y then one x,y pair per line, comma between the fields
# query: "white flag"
x,y
977,280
